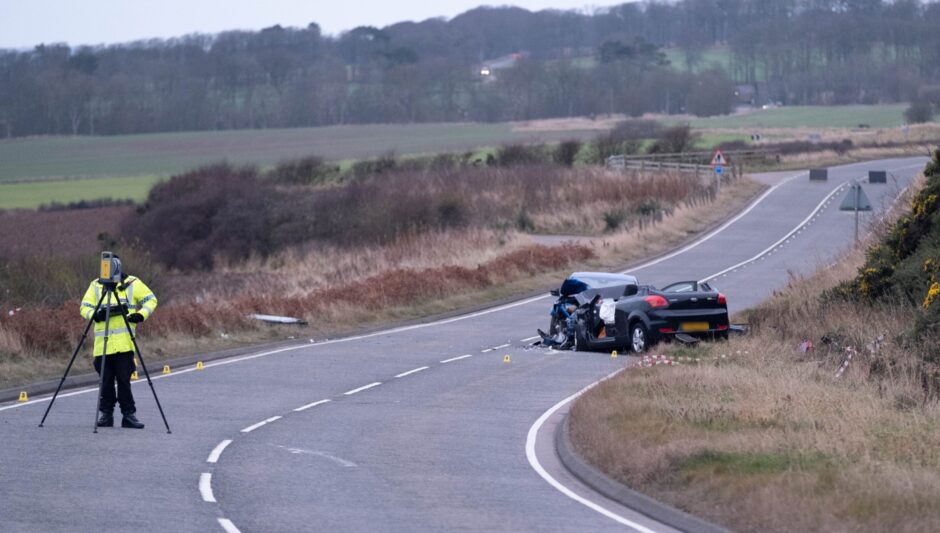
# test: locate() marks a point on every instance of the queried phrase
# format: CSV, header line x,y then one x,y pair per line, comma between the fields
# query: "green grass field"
x,y
714,57
32,194
40,170
849,116
42,158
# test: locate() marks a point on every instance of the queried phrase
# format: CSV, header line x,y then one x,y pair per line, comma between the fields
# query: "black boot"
x,y
106,420
130,421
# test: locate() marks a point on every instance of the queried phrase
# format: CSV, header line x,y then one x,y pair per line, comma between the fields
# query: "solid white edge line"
x,y
484,312
458,358
228,526
540,470
413,371
309,405
205,487
360,389
217,451
253,427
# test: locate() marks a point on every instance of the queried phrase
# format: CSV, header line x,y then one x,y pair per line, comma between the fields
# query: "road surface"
x,y
422,428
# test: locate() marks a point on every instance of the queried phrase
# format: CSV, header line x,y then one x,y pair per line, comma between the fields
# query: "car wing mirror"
x,y
630,290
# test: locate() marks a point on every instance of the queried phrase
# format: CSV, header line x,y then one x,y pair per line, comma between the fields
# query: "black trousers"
x,y
118,368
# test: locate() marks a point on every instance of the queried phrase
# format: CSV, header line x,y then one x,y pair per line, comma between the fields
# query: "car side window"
x,y
685,286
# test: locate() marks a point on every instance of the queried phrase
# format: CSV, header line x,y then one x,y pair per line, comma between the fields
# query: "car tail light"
x,y
722,327
722,300
656,301
666,330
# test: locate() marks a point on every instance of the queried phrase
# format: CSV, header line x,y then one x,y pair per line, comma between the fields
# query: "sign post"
x,y
717,161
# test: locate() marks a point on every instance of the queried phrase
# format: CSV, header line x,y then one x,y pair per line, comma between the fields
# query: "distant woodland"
x,y
489,64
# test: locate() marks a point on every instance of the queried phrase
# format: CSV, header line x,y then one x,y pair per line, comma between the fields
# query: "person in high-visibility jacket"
x,y
140,302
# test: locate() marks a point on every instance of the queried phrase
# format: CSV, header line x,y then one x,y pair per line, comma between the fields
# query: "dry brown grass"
x,y
759,437
416,276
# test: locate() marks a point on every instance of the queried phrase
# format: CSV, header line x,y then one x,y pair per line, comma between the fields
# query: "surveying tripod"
x,y
110,289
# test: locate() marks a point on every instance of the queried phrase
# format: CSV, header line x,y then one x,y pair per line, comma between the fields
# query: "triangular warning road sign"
x,y
856,194
719,159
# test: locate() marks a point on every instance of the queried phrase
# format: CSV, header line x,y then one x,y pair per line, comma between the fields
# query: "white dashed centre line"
x,y
205,487
530,339
364,387
410,372
214,456
502,346
458,358
309,405
228,526
253,427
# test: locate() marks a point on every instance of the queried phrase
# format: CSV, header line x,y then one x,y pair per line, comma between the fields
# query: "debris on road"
x,y
273,319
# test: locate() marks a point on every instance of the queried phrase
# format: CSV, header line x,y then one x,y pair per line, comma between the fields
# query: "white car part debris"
x,y
607,311
273,319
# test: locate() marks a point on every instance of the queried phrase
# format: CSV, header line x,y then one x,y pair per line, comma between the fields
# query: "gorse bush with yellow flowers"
x,y
905,265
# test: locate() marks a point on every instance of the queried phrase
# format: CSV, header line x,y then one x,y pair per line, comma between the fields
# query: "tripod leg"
x,y
146,373
81,342
104,353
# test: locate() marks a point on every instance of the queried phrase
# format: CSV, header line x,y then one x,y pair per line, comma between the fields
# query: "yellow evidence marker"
x,y
166,369
199,365
134,376
506,358
23,397
613,354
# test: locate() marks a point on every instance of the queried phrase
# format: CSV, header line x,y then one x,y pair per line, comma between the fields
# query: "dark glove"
x,y
100,314
135,318
116,310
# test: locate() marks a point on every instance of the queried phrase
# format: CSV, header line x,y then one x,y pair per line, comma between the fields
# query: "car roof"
x,y
602,279
582,281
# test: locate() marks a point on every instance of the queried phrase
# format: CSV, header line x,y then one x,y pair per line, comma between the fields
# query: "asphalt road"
x,y
425,429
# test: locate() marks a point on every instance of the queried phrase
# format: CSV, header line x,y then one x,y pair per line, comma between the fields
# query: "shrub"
x,y
675,140
306,171
373,167
216,210
520,154
566,152
904,266
918,112
86,204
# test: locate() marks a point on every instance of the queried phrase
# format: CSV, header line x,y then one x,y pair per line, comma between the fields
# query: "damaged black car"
x,y
600,311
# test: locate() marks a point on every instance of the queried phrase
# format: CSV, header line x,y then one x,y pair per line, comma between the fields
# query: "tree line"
x,y
565,64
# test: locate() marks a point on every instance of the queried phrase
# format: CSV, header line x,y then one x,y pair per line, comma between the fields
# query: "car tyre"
x,y
639,337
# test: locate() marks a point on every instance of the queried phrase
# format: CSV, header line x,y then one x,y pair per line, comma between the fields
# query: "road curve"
x,y
419,429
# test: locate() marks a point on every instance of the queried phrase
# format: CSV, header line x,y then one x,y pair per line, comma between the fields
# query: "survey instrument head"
x,y
110,268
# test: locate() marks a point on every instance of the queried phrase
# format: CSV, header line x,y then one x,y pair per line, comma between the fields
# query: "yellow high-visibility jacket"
x,y
135,295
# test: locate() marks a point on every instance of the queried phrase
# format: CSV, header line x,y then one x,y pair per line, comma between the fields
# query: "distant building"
x,y
488,69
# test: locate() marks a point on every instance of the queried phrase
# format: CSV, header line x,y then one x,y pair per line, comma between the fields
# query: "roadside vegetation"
x,y
758,435
380,241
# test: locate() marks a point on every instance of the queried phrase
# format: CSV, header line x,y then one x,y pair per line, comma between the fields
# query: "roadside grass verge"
x,y
340,289
758,436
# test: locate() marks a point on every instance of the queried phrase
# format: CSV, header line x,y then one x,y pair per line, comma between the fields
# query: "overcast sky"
x,y
26,23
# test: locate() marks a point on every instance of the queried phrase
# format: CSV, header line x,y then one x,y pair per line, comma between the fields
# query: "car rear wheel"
x,y
639,338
